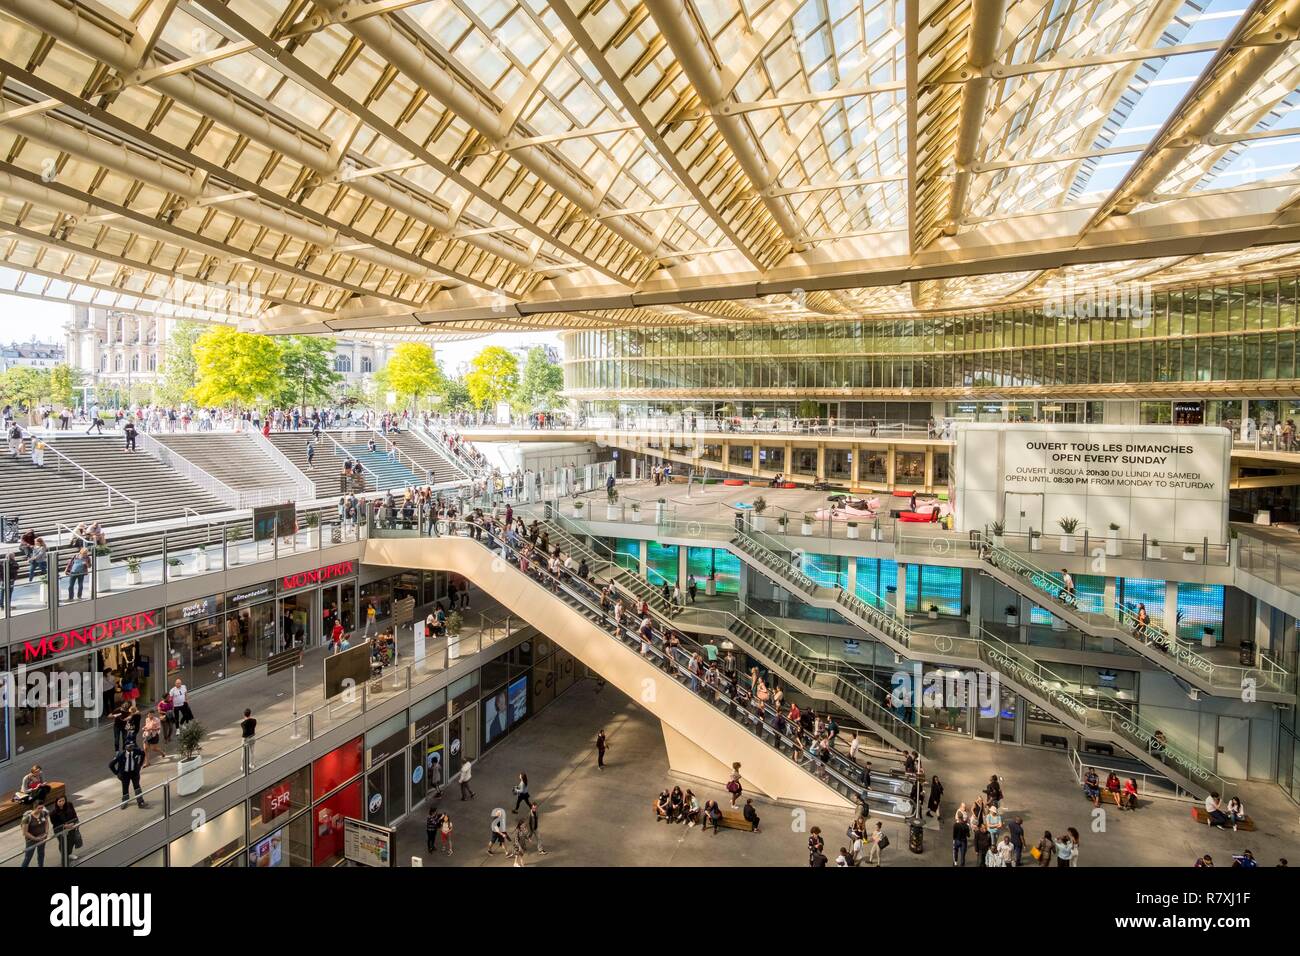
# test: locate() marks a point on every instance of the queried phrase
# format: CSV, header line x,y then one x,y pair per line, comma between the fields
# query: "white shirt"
x,y
177,694
465,771
854,746
1211,804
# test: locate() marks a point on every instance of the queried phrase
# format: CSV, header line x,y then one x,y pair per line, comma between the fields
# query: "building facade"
x,y
33,354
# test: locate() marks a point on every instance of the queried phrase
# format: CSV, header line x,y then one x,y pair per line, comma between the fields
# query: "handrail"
x,y
466,467
86,473
348,456
416,468
182,465
304,486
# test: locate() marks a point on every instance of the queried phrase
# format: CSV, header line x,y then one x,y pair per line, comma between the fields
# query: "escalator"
x,y
715,719
1181,658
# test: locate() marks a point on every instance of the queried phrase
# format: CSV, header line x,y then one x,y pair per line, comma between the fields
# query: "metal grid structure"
x,y
462,166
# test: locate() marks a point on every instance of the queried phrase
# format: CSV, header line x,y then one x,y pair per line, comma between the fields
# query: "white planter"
x,y
45,593
1067,543
997,540
805,528
135,578
103,562
711,587
1036,544
758,522
851,532
635,515
1013,620
932,615
781,528
189,775
660,507
877,534
579,513
1189,555
202,562
612,513
1154,553
1113,548
1207,640
232,554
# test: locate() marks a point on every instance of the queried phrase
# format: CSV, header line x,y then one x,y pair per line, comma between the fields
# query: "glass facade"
x,y
724,565
1234,332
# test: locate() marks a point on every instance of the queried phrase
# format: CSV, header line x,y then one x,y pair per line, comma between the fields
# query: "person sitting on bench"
x,y
712,814
1215,817
34,789
1130,795
1236,812
1113,788
751,816
1092,787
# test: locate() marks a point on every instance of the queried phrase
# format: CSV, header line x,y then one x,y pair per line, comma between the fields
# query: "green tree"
x,y
307,371
413,373
64,384
456,398
493,377
24,386
236,368
179,371
540,383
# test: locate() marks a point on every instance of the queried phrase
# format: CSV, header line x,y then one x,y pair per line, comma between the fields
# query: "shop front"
x,y
309,600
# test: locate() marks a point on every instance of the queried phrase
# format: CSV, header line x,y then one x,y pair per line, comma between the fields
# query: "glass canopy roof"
x,y
462,166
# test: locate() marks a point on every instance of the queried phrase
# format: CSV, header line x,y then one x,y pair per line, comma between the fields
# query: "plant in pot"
x,y
1035,540
1189,553
1153,549
1207,636
189,770
933,612
1068,526
577,507
852,530
781,523
757,519
177,569
661,506
806,525
454,625
997,529
103,557
1112,540
133,575
232,547
636,511
611,505
313,528
1013,615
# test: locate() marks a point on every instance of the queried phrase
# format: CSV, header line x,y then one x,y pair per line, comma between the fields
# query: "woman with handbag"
x,y
734,790
63,817
877,842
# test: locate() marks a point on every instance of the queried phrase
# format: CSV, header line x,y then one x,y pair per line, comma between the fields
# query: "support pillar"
x,y
900,596
851,575
977,579
1171,607
821,461
929,468
682,553
889,468
641,559
1108,608
855,467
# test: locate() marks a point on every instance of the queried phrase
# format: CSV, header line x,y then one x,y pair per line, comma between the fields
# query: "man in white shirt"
x,y
463,779
179,694
854,746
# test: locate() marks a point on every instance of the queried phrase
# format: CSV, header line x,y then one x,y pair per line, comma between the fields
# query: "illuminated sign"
x,y
291,582
76,637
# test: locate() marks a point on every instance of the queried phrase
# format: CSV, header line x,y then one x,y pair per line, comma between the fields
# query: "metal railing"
x,y
210,483
303,486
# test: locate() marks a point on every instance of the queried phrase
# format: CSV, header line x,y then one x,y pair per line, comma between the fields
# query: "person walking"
x,y
521,791
152,731
1045,850
247,732
936,796
36,830
534,831
734,788
497,833
601,746
126,767
63,818
463,779
128,430
445,830
179,695
960,840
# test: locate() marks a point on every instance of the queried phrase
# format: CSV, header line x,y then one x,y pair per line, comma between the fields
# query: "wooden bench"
x,y
1203,818
1053,740
735,819
1090,747
12,810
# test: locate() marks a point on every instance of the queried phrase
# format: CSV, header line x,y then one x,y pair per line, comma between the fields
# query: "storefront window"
x,y
661,563
286,845
250,636
61,708
337,767
380,595
269,809
327,822
213,843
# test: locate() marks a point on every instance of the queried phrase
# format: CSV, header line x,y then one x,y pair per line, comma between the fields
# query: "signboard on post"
x,y
284,660
268,518
403,611
347,670
366,844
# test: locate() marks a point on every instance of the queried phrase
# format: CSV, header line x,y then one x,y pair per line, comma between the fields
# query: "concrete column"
x,y
851,576
929,468
1263,630
976,581
754,462
889,468
1022,632
1108,608
821,461
641,559
787,468
855,468
682,552
1171,606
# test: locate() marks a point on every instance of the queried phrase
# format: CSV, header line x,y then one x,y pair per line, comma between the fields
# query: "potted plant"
x,y
201,562
103,557
189,771
1189,553
232,547
757,519
933,612
1153,550
998,529
313,529
1068,527
1113,548
133,575
454,624
636,511
661,507
781,523
1013,615
876,533
852,531
1207,636
1035,540
806,525
577,507
611,505
177,569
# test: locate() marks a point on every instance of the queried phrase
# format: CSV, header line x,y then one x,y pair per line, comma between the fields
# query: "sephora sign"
x,y
1165,481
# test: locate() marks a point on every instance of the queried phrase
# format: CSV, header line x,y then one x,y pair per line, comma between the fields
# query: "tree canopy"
x,y
413,373
236,368
307,371
493,377
179,371
540,384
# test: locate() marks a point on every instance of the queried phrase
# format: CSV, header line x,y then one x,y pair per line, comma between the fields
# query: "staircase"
x,y
325,471
237,462
988,652
387,472
857,695
1179,657
160,491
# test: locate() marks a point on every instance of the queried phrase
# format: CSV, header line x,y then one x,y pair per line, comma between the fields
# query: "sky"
x,y
22,318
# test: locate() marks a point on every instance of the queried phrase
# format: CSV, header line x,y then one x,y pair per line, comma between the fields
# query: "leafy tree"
x,y
179,371
24,386
307,371
493,377
540,384
236,368
413,373
64,384
457,397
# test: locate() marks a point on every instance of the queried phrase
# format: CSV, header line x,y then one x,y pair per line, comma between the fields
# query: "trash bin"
x,y
915,835
740,521
548,509
1247,656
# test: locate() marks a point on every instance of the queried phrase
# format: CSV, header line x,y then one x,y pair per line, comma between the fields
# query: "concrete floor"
x,y
603,818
